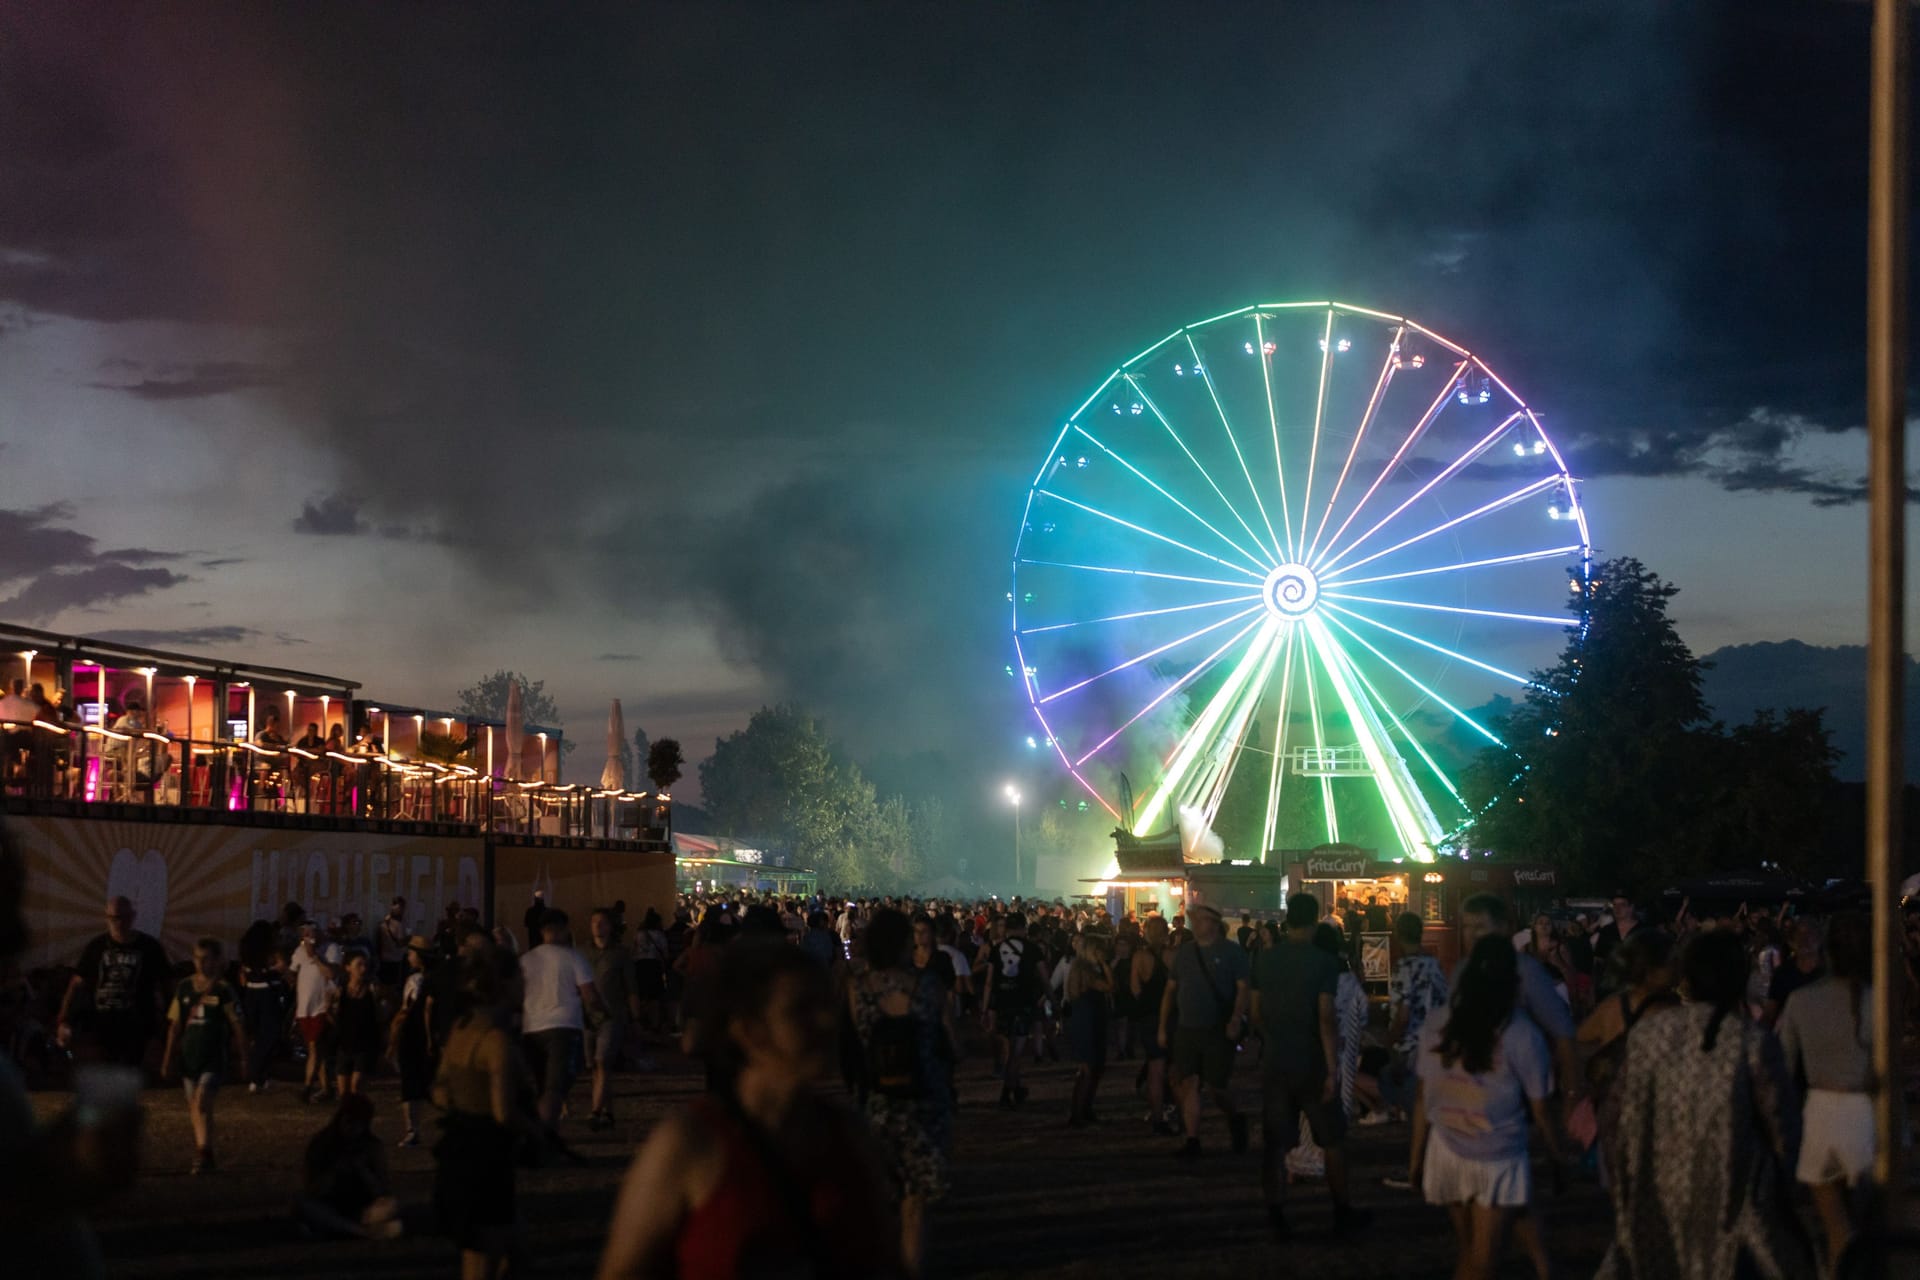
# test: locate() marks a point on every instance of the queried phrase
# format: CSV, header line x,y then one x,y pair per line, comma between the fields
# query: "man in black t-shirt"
x,y
1013,1000
117,996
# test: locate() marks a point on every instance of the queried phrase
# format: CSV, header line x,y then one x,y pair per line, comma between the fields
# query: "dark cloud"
x,y
60,568
184,637
192,381
52,593
332,515
618,657
222,562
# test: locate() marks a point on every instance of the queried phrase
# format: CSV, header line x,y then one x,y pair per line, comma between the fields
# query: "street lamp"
x,y
1013,798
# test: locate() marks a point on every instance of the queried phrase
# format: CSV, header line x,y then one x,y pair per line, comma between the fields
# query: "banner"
x,y
578,880
188,881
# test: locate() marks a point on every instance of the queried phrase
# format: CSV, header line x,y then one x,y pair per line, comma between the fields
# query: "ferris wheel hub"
x,y
1291,592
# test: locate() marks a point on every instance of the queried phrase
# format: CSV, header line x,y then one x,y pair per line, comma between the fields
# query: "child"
x,y
202,1023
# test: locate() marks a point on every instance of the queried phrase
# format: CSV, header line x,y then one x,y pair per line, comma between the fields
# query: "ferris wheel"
x,y
1271,568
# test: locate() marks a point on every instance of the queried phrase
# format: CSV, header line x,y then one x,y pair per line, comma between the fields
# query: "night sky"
x,y
700,355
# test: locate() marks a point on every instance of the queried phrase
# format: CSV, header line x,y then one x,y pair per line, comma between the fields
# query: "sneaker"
x,y
412,1139
1163,1129
253,1086
1237,1126
1346,1218
309,1095
1372,1118
1398,1182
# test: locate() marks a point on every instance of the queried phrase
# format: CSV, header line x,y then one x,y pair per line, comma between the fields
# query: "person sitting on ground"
x,y
348,1192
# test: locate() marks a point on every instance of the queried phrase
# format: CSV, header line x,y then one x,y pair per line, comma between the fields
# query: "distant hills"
x,y
1745,678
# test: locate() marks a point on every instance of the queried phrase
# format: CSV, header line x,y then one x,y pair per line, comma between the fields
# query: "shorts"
x,y
203,1087
312,1028
605,1041
1146,1036
1014,1021
1285,1097
1449,1178
355,1062
551,1055
1205,1052
1837,1137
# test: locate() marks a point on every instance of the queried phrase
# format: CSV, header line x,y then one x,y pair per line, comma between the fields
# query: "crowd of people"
x,y
1696,1067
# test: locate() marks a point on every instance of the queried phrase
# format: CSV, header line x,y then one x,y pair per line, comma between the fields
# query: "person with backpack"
x,y
1202,1017
1014,987
900,1014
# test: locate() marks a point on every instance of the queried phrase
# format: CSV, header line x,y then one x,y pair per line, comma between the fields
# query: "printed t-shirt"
x,y
1484,1117
1420,988
553,975
206,1026
126,976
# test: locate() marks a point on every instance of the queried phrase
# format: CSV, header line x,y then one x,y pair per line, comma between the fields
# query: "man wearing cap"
x,y
1202,1016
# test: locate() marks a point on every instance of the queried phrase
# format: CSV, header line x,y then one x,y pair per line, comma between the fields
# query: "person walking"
x,y
1203,1014
1148,979
1826,1035
1483,1067
1708,1131
764,1175
557,983
314,967
615,978
118,993
1418,990
1014,988
203,1021
356,1025
900,1014
390,951
264,999
411,1045
1295,988
1645,963
1088,993
479,1079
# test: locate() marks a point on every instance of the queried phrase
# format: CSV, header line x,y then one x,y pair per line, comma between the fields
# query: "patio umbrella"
x,y
516,732
613,775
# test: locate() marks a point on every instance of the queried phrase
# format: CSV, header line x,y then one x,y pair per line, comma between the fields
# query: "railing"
x,y
43,760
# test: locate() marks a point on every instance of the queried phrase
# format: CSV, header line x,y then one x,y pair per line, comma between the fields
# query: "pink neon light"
x,y
1419,429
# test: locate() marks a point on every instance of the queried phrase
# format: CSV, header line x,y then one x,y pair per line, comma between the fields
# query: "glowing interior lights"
x,y
1340,344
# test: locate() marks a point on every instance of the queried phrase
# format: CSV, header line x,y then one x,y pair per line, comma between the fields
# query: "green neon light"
x,y
1307,653
1364,311
1206,375
1201,731
1224,315
1418,829
1204,522
1206,475
1238,724
1484,732
1273,421
1089,400
1155,347
1412,741
1277,777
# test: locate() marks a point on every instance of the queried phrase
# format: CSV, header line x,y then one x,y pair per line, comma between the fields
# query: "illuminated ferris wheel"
x,y
1270,567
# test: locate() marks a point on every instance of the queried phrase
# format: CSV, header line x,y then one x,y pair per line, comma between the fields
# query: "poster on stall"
x,y
1376,957
188,881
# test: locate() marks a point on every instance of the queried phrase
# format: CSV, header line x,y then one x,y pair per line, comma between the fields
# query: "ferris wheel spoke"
x,y
1206,376
1206,475
1140,613
1307,654
1478,448
1053,740
1336,577
1186,758
1419,430
1131,573
1277,767
1194,673
1151,653
1454,608
1386,709
1319,414
1249,556
1273,421
1417,683
1161,537
1488,667
1498,504
1387,367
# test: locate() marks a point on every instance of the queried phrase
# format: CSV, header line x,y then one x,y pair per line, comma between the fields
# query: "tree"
x,y
663,763
486,699
1613,770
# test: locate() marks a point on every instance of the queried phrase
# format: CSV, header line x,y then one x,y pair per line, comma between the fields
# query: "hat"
x,y
420,944
1195,908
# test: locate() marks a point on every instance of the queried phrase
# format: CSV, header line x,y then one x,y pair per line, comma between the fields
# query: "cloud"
x,y
61,568
618,657
192,381
222,562
333,515
185,637
55,592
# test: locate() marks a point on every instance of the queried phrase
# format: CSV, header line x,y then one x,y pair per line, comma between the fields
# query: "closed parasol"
x,y
613,775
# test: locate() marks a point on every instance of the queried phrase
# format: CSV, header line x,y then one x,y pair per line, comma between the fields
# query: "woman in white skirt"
x,y
1826,1031
1482,1067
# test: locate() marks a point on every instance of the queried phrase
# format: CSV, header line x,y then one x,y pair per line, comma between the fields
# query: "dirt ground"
x,y
1030,1198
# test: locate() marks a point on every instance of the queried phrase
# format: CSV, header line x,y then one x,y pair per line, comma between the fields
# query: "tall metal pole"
x,y
1887,498
1016,845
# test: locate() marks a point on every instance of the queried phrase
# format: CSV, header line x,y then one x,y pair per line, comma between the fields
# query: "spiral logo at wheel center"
x,y
1291,591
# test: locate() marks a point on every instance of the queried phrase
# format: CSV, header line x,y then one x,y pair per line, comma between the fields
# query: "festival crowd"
x,y
1697,1067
